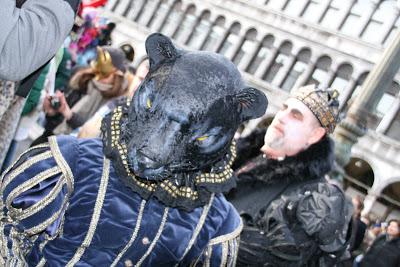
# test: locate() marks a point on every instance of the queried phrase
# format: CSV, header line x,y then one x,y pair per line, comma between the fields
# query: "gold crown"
x,y
103,65
323,103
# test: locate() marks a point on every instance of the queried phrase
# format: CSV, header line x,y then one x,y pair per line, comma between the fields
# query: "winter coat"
x,y
293,216
383,253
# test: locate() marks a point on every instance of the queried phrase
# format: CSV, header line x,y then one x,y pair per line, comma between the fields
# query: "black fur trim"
x,y
312,163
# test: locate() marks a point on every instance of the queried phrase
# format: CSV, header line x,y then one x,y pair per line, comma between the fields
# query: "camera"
x,y
55,102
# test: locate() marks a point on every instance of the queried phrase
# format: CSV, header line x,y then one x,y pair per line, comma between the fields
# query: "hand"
x,y
64,109
47,107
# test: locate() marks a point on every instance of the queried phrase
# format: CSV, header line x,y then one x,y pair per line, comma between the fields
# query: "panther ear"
x,y
160,49
252,103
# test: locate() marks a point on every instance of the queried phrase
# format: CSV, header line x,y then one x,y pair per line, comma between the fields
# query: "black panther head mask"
x,y
174,139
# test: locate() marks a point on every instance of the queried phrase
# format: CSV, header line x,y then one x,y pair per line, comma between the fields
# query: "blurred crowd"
x,y
86,78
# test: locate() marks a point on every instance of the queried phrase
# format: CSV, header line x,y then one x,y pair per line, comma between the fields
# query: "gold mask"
x,y
102,66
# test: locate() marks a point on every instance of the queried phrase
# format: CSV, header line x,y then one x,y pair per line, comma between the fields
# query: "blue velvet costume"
x,y
63,205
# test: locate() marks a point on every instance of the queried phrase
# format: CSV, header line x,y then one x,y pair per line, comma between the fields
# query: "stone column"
x,y
122,6
345,13
162,13
389,117
204,33
248,56
152,9
139,11
235,47
347,92
368,203
354,125
302,80
266,63
188,28
224,35
283,73
111,5
366,17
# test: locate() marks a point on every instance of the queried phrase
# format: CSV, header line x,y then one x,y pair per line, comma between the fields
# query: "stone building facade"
x,y
282,44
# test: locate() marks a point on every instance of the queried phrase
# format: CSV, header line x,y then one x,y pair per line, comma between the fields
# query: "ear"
x,y
252,103
160,49
316,135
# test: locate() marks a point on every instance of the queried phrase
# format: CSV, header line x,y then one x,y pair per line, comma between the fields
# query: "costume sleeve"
x,y
31,35
34,196
222,250
325,215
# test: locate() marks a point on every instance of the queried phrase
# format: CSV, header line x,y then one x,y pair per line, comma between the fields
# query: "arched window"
x,y
173,19
201,30
387,99
342,78
162,9
231,39
281,59
298,68
320,73
262,53
186,25
216,34
390,198
373,31
247,46
359,176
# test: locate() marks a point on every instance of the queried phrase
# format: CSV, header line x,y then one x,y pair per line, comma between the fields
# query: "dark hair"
x,y
396,221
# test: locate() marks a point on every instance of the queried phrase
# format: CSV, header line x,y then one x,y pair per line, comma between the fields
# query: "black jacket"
x,y
383,253
293,217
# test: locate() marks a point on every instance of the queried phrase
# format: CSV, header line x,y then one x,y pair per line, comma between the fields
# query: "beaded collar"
x,y
184,190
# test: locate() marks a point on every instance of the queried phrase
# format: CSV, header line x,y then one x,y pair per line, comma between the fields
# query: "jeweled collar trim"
x,y
195,194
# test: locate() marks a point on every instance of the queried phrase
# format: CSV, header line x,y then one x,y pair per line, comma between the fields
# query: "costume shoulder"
x,y
325,214
223,247
34,194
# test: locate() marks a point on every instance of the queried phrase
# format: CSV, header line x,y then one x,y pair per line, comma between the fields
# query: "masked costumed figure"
x,y
150,192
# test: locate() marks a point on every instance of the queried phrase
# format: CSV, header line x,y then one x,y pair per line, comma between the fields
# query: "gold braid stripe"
x,y
224,238
31,183
155,240
20,156
199,226
41,263
39,228
224,256
66,170
20,169
38,206
134,235
96,214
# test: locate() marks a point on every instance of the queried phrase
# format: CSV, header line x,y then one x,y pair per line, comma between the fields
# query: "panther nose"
x,y
146,162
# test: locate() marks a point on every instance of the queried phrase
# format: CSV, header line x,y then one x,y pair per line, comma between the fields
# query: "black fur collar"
x,y
309,164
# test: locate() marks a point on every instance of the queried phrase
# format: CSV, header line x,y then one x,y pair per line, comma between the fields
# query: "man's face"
x,y
393,229
293,129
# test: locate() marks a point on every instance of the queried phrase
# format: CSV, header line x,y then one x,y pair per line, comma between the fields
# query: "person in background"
x,y
385,251
92,127
292,215
90,88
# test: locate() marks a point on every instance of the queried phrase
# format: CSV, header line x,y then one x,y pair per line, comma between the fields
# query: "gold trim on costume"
x,y
224,254
39,228
20,169
41,263
134,234
62,163
199,226
96,214
31,183
38,206
155,240
224,238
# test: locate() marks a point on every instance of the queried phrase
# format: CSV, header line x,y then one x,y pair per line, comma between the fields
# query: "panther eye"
x,y
148,103
202,138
